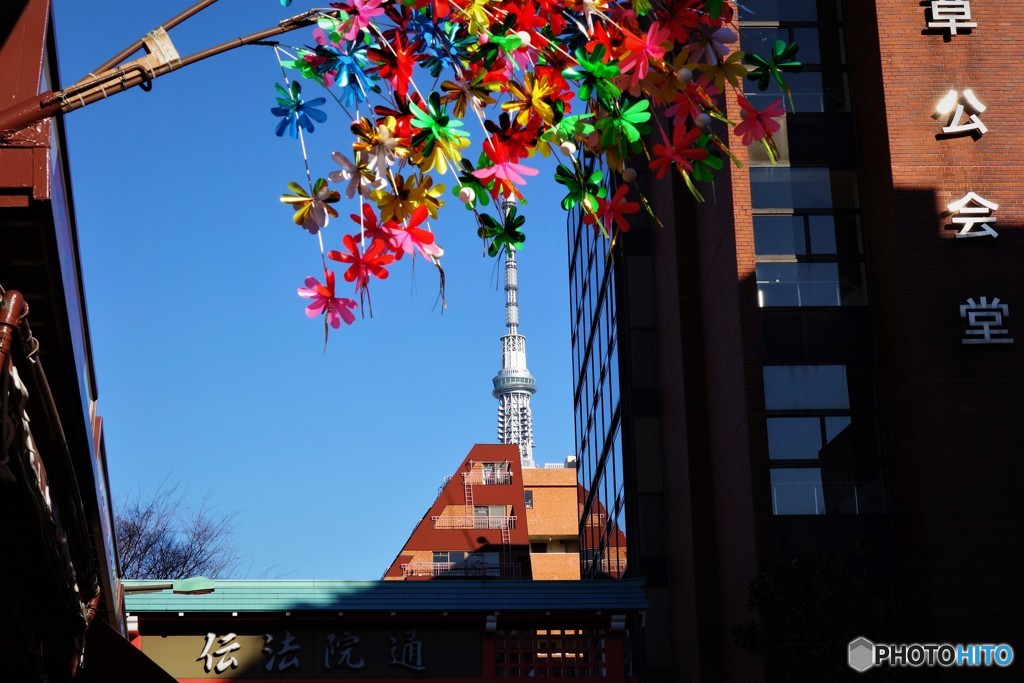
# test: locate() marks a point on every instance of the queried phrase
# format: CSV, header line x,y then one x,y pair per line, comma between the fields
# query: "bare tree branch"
x,y
165,537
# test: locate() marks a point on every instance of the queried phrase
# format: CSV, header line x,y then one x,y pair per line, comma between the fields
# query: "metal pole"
x,y
35,109
167,26
12,309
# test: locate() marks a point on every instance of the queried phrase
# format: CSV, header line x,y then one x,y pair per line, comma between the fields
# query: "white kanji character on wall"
x,y
956,105
227,647
973,211
985,321
951,15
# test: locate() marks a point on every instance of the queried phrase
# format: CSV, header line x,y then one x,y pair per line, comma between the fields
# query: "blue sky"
x,y
208,371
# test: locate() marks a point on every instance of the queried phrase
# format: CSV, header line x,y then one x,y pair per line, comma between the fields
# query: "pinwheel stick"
x,y
161,59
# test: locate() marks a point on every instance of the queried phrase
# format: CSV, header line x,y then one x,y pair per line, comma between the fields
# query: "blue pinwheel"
x,y
296,113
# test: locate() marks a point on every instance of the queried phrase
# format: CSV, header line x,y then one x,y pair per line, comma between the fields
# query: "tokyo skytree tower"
x,y
514,385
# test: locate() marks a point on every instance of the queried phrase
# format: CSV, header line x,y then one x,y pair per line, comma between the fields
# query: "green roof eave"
x,y
392,596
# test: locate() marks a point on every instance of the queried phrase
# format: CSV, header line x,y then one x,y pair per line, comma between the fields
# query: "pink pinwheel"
x,y
758,125
504,169
360,13
324,301
614,210
642,50
411,238
362,265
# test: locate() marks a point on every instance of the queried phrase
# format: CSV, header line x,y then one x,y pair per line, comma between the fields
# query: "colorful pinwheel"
x,y
361,266
504,235
324,302
779,61
584,188
294,112
578,79
312,212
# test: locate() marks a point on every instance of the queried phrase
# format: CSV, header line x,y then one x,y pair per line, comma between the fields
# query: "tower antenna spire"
x,y
514,385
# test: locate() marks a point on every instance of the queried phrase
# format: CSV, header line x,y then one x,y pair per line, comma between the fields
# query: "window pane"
x,y
807,39
762,40
805,387
852,491
778,10
807,88
823,234
797,491
798,284
851,285
792,438
779,235
781,187
834,426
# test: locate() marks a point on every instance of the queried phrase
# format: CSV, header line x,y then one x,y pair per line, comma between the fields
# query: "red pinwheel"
x,y
370,226
363,265
396,59
641,51
614,210
680,152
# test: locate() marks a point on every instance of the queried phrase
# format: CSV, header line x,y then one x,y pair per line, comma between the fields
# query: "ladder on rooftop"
x,y
506,542
467,485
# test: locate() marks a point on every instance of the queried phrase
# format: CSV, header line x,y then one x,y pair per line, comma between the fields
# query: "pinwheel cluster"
x,y
603,85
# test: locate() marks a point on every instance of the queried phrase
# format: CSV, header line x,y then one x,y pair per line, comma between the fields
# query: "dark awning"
x,y
109,658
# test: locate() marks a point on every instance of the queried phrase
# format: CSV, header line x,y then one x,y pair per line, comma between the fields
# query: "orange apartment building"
x,y
495,518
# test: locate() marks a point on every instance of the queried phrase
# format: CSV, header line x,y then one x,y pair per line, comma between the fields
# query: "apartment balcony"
x,y
613,567
487,477
460,570
474,522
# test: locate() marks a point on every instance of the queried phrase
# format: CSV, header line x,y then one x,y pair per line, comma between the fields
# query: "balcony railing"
x,y
475,522
615,567
443,569
487,478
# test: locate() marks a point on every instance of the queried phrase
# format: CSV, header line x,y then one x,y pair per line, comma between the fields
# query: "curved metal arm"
x,y
138,72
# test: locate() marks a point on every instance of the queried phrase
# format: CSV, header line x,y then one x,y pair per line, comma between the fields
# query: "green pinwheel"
x,y
713,8
584,189
594,76
505,235
566,129
625,125
780,60
468,180
435,126
703,169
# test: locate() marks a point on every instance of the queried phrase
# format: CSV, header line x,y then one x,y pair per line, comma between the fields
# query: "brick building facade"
x,y
813,374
